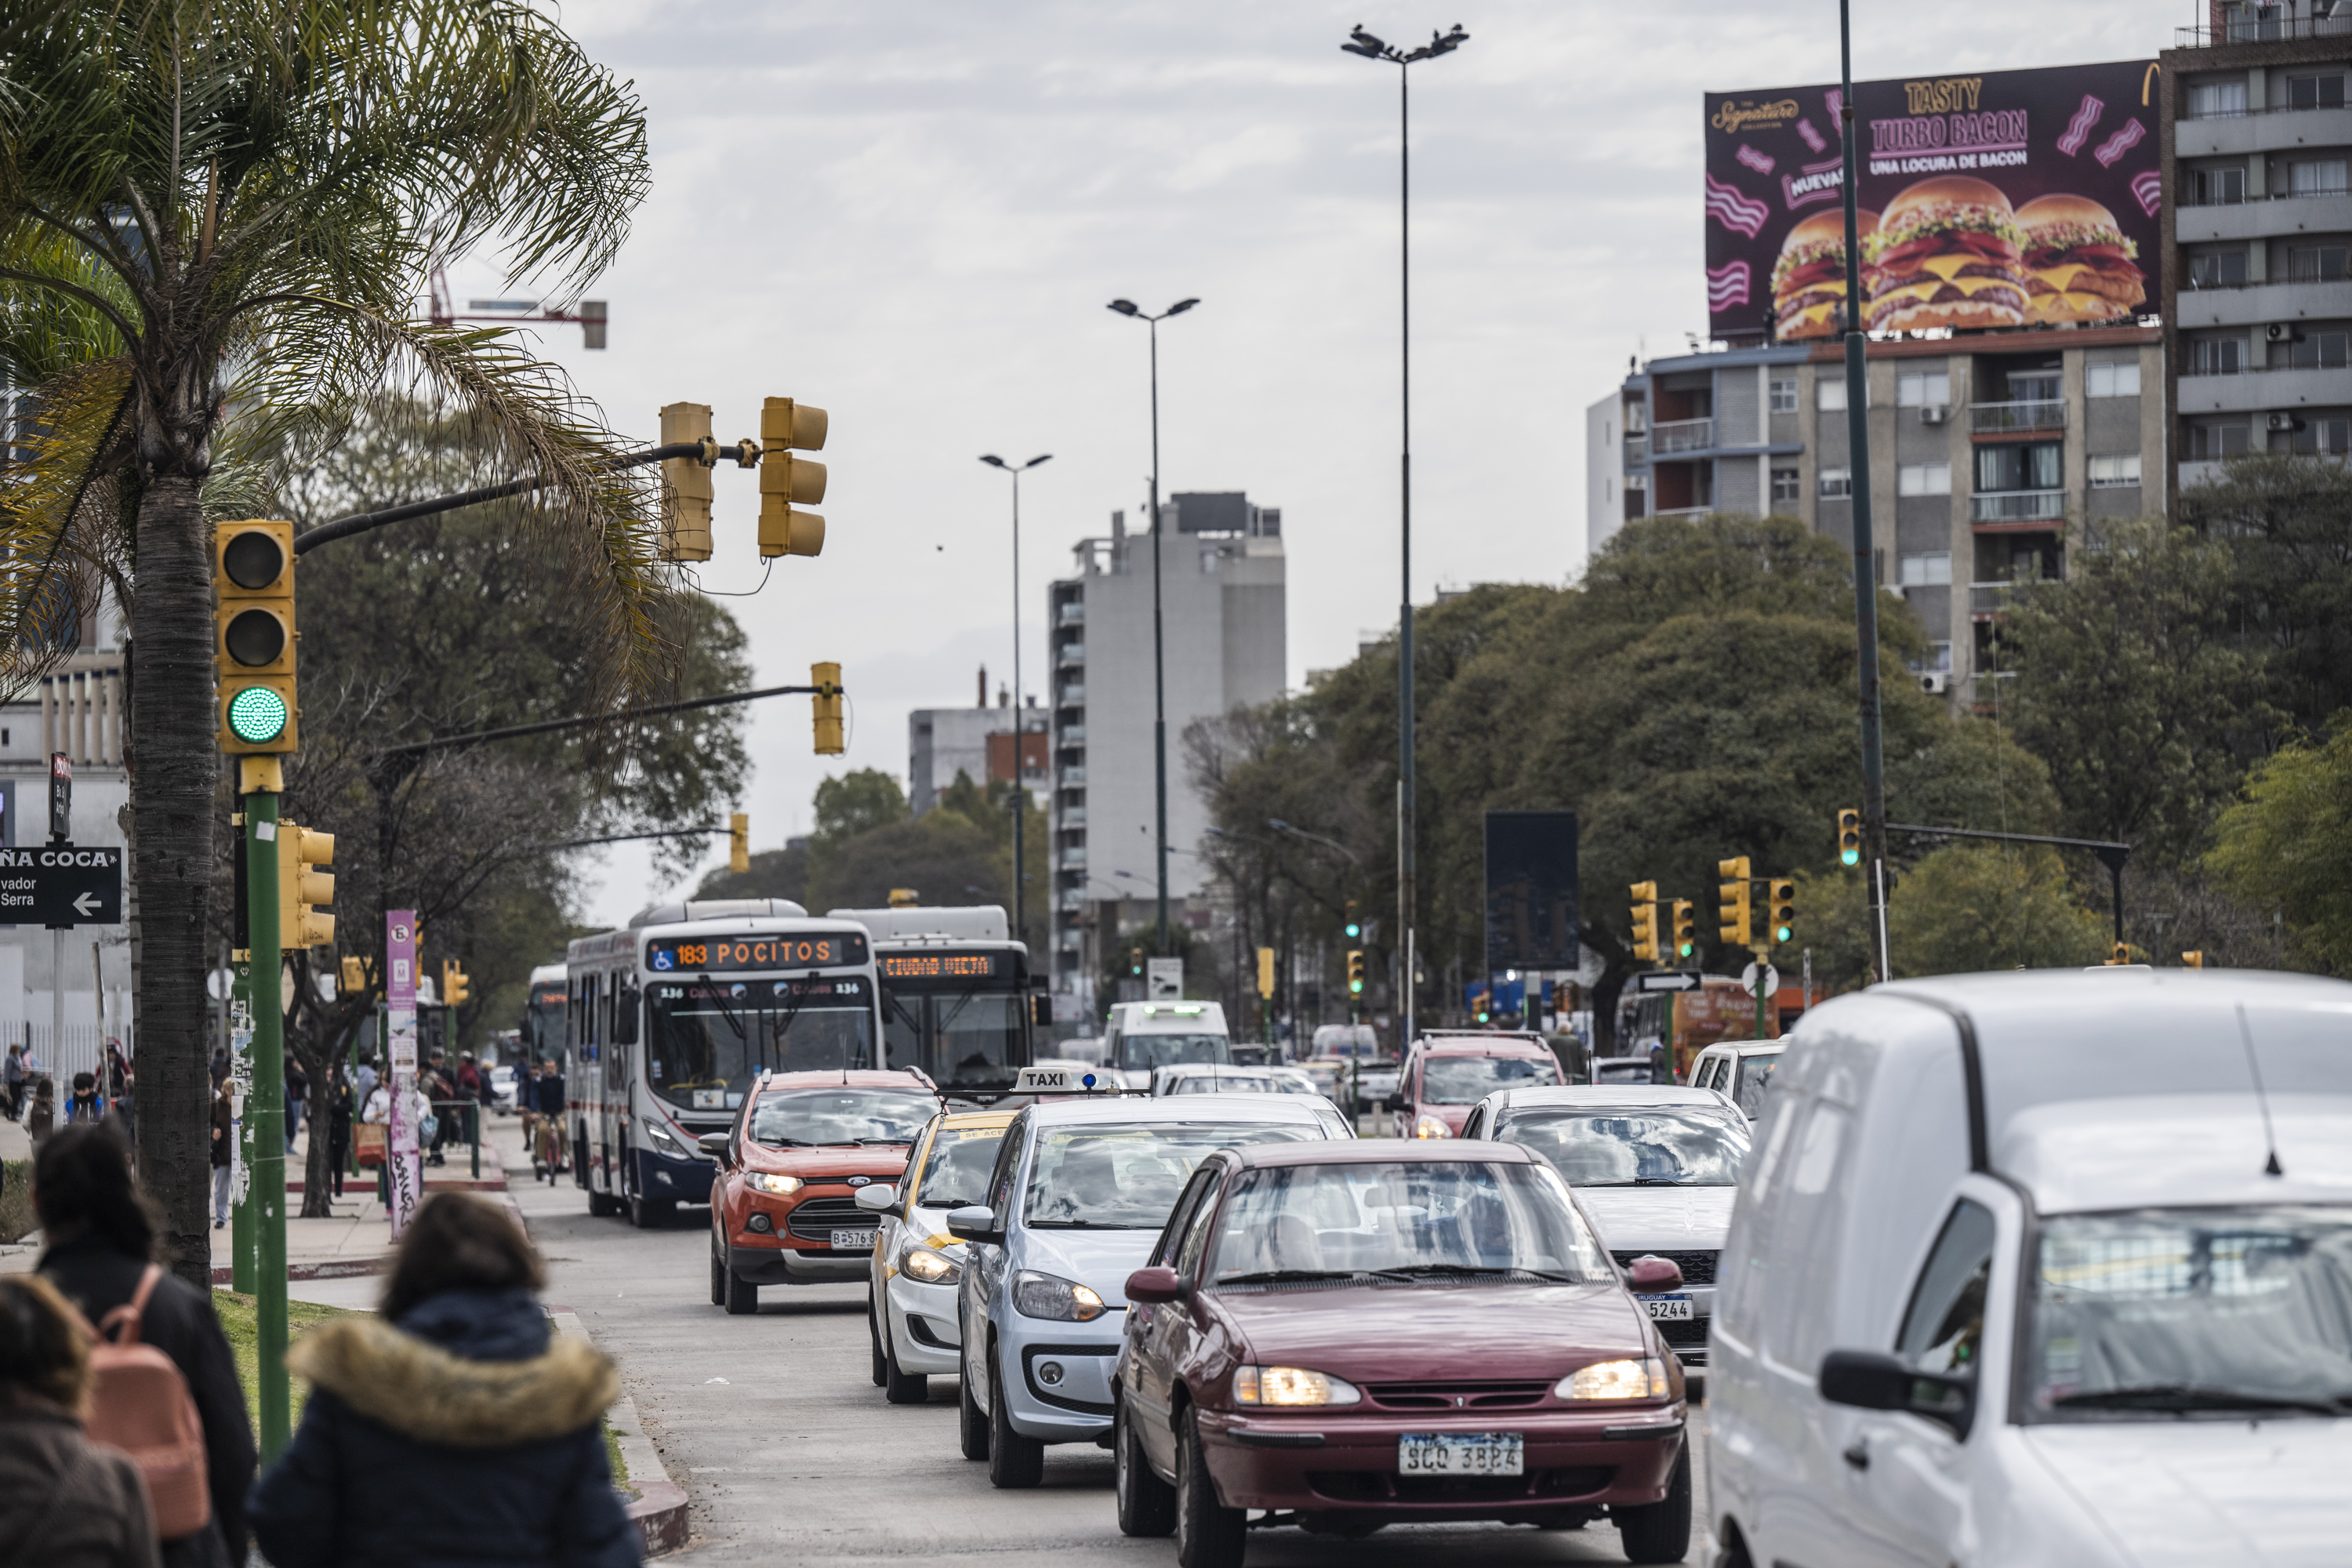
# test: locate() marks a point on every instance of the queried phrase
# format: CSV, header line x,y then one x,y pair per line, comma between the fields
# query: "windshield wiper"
x,y
863,1141
787,1142
1083,1225
2185,1396
1287,1276
1652,1182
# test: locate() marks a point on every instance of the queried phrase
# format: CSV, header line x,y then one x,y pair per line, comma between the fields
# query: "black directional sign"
x,y
1669,980
60,885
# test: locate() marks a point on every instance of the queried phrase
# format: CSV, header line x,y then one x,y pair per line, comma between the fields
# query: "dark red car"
x,y
1350,1334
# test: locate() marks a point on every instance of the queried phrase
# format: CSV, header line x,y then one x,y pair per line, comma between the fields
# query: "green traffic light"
x,y
1850,857
1684,950
1782,933
256,714
1354,930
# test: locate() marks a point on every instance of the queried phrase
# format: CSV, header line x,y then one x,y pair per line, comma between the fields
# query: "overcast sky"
x,y
911,213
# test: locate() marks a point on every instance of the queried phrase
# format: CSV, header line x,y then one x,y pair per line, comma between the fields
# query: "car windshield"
x,y
2177,1310
1226,1082
957,1171
1467,1080
785,1118
711,1038
1594,1147
1622,1070
1138,1053
1449,1222
1126,1177
1755,1074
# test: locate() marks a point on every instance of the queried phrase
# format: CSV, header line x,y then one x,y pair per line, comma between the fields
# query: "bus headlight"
x,y
782,1186
930,1266
659,1137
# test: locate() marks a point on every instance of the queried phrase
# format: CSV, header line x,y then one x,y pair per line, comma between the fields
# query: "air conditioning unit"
x,y
1933,413
1935,682
2283,422
2279,332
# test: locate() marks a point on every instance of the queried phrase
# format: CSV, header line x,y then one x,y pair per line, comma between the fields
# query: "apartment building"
x,y
1991,455
2256,137
977,742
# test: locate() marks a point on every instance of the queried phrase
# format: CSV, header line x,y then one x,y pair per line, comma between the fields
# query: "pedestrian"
x,y
454,1425
42,1119
223,1120
64,1502
297,1090
339,1105
12,1082
220,1065
101,1233
363,1080
439,1090
85,1103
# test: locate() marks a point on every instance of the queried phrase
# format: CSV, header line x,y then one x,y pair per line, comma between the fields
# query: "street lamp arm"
x,y
1281,826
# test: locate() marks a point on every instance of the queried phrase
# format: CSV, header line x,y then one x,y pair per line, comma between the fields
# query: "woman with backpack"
x,y
64,1501
101,1232
452,1426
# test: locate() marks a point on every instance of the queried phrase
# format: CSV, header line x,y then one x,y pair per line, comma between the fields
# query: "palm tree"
x,y
215,218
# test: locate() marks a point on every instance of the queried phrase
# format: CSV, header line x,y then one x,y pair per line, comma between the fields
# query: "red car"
x,y
1447,1075
783,1209
1350,1334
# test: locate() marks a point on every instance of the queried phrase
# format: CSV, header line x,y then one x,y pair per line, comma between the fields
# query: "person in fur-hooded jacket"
x,y
454,1427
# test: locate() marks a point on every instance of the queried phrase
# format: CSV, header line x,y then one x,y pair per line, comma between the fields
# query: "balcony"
x,y
1682,436
2035,413
2018,506
2259,391
1073,695
1072,817
1070,653
1073,776
2245,25
1637,450
2263,131
1072,613
2277,218
1073,860
2259,304
1071,735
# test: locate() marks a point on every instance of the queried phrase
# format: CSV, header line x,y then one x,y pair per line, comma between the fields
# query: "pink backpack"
x,y
140,1404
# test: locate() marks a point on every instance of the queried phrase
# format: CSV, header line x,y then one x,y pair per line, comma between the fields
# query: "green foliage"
x,y
1992,906
772,874
958,852
857,803
2288,844
2287,521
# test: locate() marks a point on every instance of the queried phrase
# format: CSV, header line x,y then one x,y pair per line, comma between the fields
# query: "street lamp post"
x,y
1359,42
1159,671
1020,788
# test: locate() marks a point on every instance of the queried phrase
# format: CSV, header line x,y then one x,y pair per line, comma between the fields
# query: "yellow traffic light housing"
x,y
1645,920
2194,960
1685,939
686,484
1265,974
306,893
1784,910
1355,971
1849,838
254,636
2118,954
1734,905
788,483
738,843
1135,960
826,708
352,976
456,983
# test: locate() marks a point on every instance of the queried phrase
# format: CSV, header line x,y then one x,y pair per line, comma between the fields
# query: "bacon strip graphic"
x,y
2148,189
2121,142
1813,137
1835,99
2078,129
1735,210
1759,161
1727,286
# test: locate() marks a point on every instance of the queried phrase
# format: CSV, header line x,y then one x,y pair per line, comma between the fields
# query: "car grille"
x,y
1698,1268
1384,1486
817,1218
1685,1334
1456,1395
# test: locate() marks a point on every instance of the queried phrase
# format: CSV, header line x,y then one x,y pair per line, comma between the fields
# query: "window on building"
x,y
2217,99
2324,436
1931,569
2316,177
2215,356
1922,388
1924,480
2036,465
2317,350
2222,187
1783,394
2218,269
2116,472
2209,443
2315,91
1837,484
1938,662
1786,485
2034,386
2116,378
1828,394
2317,263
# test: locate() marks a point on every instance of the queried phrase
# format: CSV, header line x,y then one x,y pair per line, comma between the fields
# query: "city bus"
x,y
671,1019
956,996
545,1002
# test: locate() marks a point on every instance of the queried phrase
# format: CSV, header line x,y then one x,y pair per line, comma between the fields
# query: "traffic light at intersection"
x,y
686,484
1685,939
1645,920
1734,907
1849,838
2118,954
1265,974
456,983
786,482
1355,927
253,641
1784,910
306,892
2194,960
826,708
1356,972
353,975
738,843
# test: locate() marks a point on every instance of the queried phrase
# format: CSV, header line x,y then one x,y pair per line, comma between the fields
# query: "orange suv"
x,y
783,1209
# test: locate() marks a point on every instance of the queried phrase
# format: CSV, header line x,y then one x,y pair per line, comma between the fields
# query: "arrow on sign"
x,y
86,905
1680,980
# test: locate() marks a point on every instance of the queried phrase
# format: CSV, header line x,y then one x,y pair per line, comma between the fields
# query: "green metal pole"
x,y
266,1114
242,1258
474,1133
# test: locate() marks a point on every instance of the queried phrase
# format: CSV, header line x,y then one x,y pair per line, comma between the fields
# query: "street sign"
x,y
60,886
1748,979
1669,980
60,796
1163,979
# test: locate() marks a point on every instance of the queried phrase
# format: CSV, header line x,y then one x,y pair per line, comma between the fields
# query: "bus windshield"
x,y
709,1040
963,1039
542,1023
1139,1053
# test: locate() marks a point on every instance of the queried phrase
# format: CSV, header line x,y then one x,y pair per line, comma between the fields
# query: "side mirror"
x,y
876,1199
1153,1286
976,1222
1649,1276
1869,1379
715,1145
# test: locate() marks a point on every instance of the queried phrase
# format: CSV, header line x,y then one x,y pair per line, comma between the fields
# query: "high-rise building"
x,y
2256,137
976,742
1223,607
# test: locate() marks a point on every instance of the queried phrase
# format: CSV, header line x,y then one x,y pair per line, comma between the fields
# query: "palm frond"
x,y
58,516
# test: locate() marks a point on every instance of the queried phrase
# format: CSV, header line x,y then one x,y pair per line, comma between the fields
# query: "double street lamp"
x,y
1129,308
1020,784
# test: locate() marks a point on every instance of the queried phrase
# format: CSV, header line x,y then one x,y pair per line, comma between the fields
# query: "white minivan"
x,y
1147,1035
2044,1269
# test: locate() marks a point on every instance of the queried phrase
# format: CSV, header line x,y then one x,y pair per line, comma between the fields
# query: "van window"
x,y
1754,1077
1817,1156
1759,1179
1943,1329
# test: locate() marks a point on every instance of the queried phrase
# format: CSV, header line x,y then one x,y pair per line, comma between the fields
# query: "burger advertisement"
x,y
2005,199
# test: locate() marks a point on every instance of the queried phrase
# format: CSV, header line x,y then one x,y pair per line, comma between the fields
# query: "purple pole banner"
x,y
406,1169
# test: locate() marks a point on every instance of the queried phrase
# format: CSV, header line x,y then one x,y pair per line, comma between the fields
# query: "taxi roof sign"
x,y
1063,1077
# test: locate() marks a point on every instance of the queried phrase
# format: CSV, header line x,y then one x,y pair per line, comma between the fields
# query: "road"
x,y
791,1456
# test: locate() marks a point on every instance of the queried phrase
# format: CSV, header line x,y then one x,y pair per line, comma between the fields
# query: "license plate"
x,y
1664,1309
853,1241
1461,1454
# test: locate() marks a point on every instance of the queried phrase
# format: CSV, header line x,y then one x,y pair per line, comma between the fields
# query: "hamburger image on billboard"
x,y
1989,201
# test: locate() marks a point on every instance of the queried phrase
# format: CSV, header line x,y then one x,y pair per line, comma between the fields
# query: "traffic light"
x,y
1485,1004
305,893
786,481
1355,926
1265,973
1645,920
686,484
456,985
1849,838
354,976
1784,910
1733,906
826,706
1135,960
1685,939
1355,971
2118,954
738,843
253,641
2194,960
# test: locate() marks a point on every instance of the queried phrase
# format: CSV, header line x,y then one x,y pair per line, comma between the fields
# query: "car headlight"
x,y
1291,1385
659,1137
1036,1295
1431,1126
933,1267
1645,1379
782,1186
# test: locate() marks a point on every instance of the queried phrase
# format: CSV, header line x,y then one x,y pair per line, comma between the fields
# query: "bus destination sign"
x,y
913,969
713,955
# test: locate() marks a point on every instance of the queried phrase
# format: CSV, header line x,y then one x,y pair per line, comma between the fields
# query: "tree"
x,y
2287,844
1978,907
857,803
772,874
232,205
2286,521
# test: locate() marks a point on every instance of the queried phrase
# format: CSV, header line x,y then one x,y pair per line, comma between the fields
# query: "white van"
x,y
1146,1035
2042,1268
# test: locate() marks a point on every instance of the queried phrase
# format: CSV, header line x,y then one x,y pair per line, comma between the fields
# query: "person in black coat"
x,y
101,1231
452,1427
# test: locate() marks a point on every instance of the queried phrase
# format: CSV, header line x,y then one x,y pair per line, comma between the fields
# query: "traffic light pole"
x,y
261,777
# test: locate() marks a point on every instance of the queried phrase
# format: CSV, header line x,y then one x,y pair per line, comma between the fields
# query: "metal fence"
x,y
81,1047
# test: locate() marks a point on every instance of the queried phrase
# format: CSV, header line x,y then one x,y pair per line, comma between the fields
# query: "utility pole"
x,y
1020,788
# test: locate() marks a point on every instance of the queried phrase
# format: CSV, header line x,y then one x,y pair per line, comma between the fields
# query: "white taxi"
x,y
911,1303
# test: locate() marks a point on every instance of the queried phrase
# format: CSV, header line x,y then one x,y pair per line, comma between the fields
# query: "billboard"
x,y
2001,199
1532,917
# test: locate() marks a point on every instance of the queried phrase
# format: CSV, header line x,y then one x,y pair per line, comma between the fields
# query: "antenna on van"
x,y
2270,1167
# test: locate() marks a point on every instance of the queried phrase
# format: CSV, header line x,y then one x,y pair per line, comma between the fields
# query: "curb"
x,y
331,1269
660,1511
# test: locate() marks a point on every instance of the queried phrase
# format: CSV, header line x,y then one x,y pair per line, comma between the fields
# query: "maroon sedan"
x,y
1344,1335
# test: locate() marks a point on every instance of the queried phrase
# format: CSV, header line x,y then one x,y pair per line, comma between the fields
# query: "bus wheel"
x,y
602,1204
649,1214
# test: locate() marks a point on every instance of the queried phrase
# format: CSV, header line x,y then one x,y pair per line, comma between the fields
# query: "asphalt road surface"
x,y
791,1456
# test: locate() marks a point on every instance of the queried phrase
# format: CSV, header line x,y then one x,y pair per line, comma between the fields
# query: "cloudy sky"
x,y
913,213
